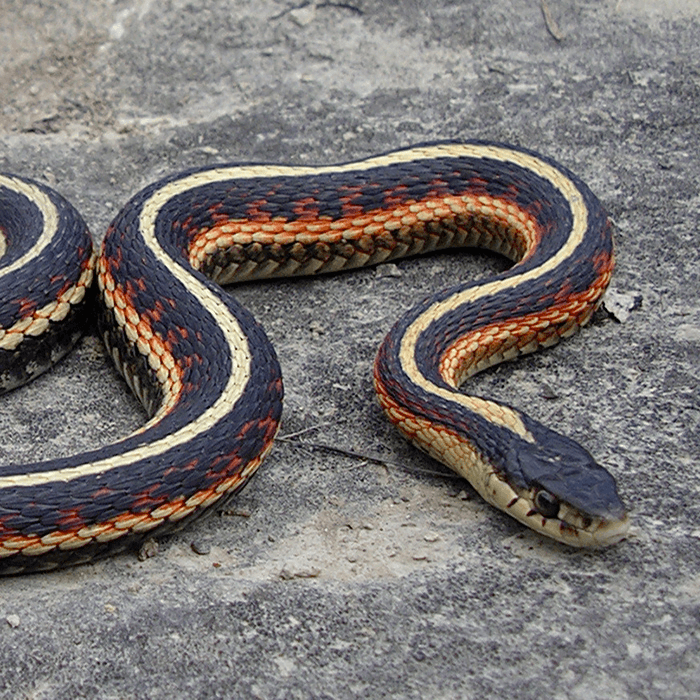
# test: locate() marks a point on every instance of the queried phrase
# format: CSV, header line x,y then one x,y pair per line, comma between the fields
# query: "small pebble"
x,y
316,328
200,547
390,270
12,620
302,16
288,575
148,549
546,392
621,304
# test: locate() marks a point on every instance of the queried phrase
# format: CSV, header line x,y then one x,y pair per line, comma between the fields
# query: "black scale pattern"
x,y
244,431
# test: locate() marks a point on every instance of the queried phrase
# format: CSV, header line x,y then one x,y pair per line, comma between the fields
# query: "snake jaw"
x,y
600,531
567,525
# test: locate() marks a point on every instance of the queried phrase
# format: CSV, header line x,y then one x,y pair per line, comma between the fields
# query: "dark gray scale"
x,y
29,288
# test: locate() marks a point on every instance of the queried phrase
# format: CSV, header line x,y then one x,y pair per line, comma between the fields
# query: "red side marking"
x,y
267,426
114,261
395,196
188,361
104,491
306,209
84,255
479,186
270,428
133,287
564,292
440,189
69,520
190,466
143,501
255,213
351,210
67,284
154,313
5,531
353,192
224,466
216,214
603,261
26,307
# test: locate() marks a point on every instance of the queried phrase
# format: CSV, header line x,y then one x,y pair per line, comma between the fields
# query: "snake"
x,y
209,378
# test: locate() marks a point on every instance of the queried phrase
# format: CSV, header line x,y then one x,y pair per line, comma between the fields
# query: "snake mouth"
x,y
612,531
560,520
597,531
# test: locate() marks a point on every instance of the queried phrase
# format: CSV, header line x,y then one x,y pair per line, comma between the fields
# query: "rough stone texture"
x,y
330,577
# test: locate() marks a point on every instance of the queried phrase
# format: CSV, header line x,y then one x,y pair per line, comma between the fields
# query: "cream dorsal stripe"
x,y
238,376
475,293
47,210
212,303
206,369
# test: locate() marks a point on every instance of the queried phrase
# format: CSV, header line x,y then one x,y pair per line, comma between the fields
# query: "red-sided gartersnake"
x,y
208,376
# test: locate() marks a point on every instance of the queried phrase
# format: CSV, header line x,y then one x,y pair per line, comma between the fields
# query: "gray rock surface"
x,y
331,577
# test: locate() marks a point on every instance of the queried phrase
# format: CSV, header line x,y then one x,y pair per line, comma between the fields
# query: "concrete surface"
x,y
331,577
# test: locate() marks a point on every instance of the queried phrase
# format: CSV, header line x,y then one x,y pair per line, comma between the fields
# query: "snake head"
x,y
566,488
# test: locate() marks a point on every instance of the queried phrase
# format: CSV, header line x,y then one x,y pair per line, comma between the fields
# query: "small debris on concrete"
x,y
148,549
290,574
199,547
387,271
621,304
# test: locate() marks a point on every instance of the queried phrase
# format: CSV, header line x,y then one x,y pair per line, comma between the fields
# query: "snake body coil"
x,y
209,378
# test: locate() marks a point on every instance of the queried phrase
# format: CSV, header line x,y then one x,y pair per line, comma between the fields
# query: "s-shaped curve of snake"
x,y
208,376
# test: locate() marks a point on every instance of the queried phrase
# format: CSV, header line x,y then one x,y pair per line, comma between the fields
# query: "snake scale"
x,y
209,378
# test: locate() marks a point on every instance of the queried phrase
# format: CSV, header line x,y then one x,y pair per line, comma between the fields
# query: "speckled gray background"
x,y
330,577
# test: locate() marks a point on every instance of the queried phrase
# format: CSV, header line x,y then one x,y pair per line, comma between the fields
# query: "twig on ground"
x,y
366,457
550,22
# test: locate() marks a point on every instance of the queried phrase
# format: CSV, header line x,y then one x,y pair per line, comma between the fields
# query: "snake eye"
x,y
546,504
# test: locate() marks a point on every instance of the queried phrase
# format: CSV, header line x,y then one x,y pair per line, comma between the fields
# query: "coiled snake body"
x,y
206,373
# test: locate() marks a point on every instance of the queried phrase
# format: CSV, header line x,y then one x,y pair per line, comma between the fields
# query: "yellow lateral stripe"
x,y
48,213
236,339
500,415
